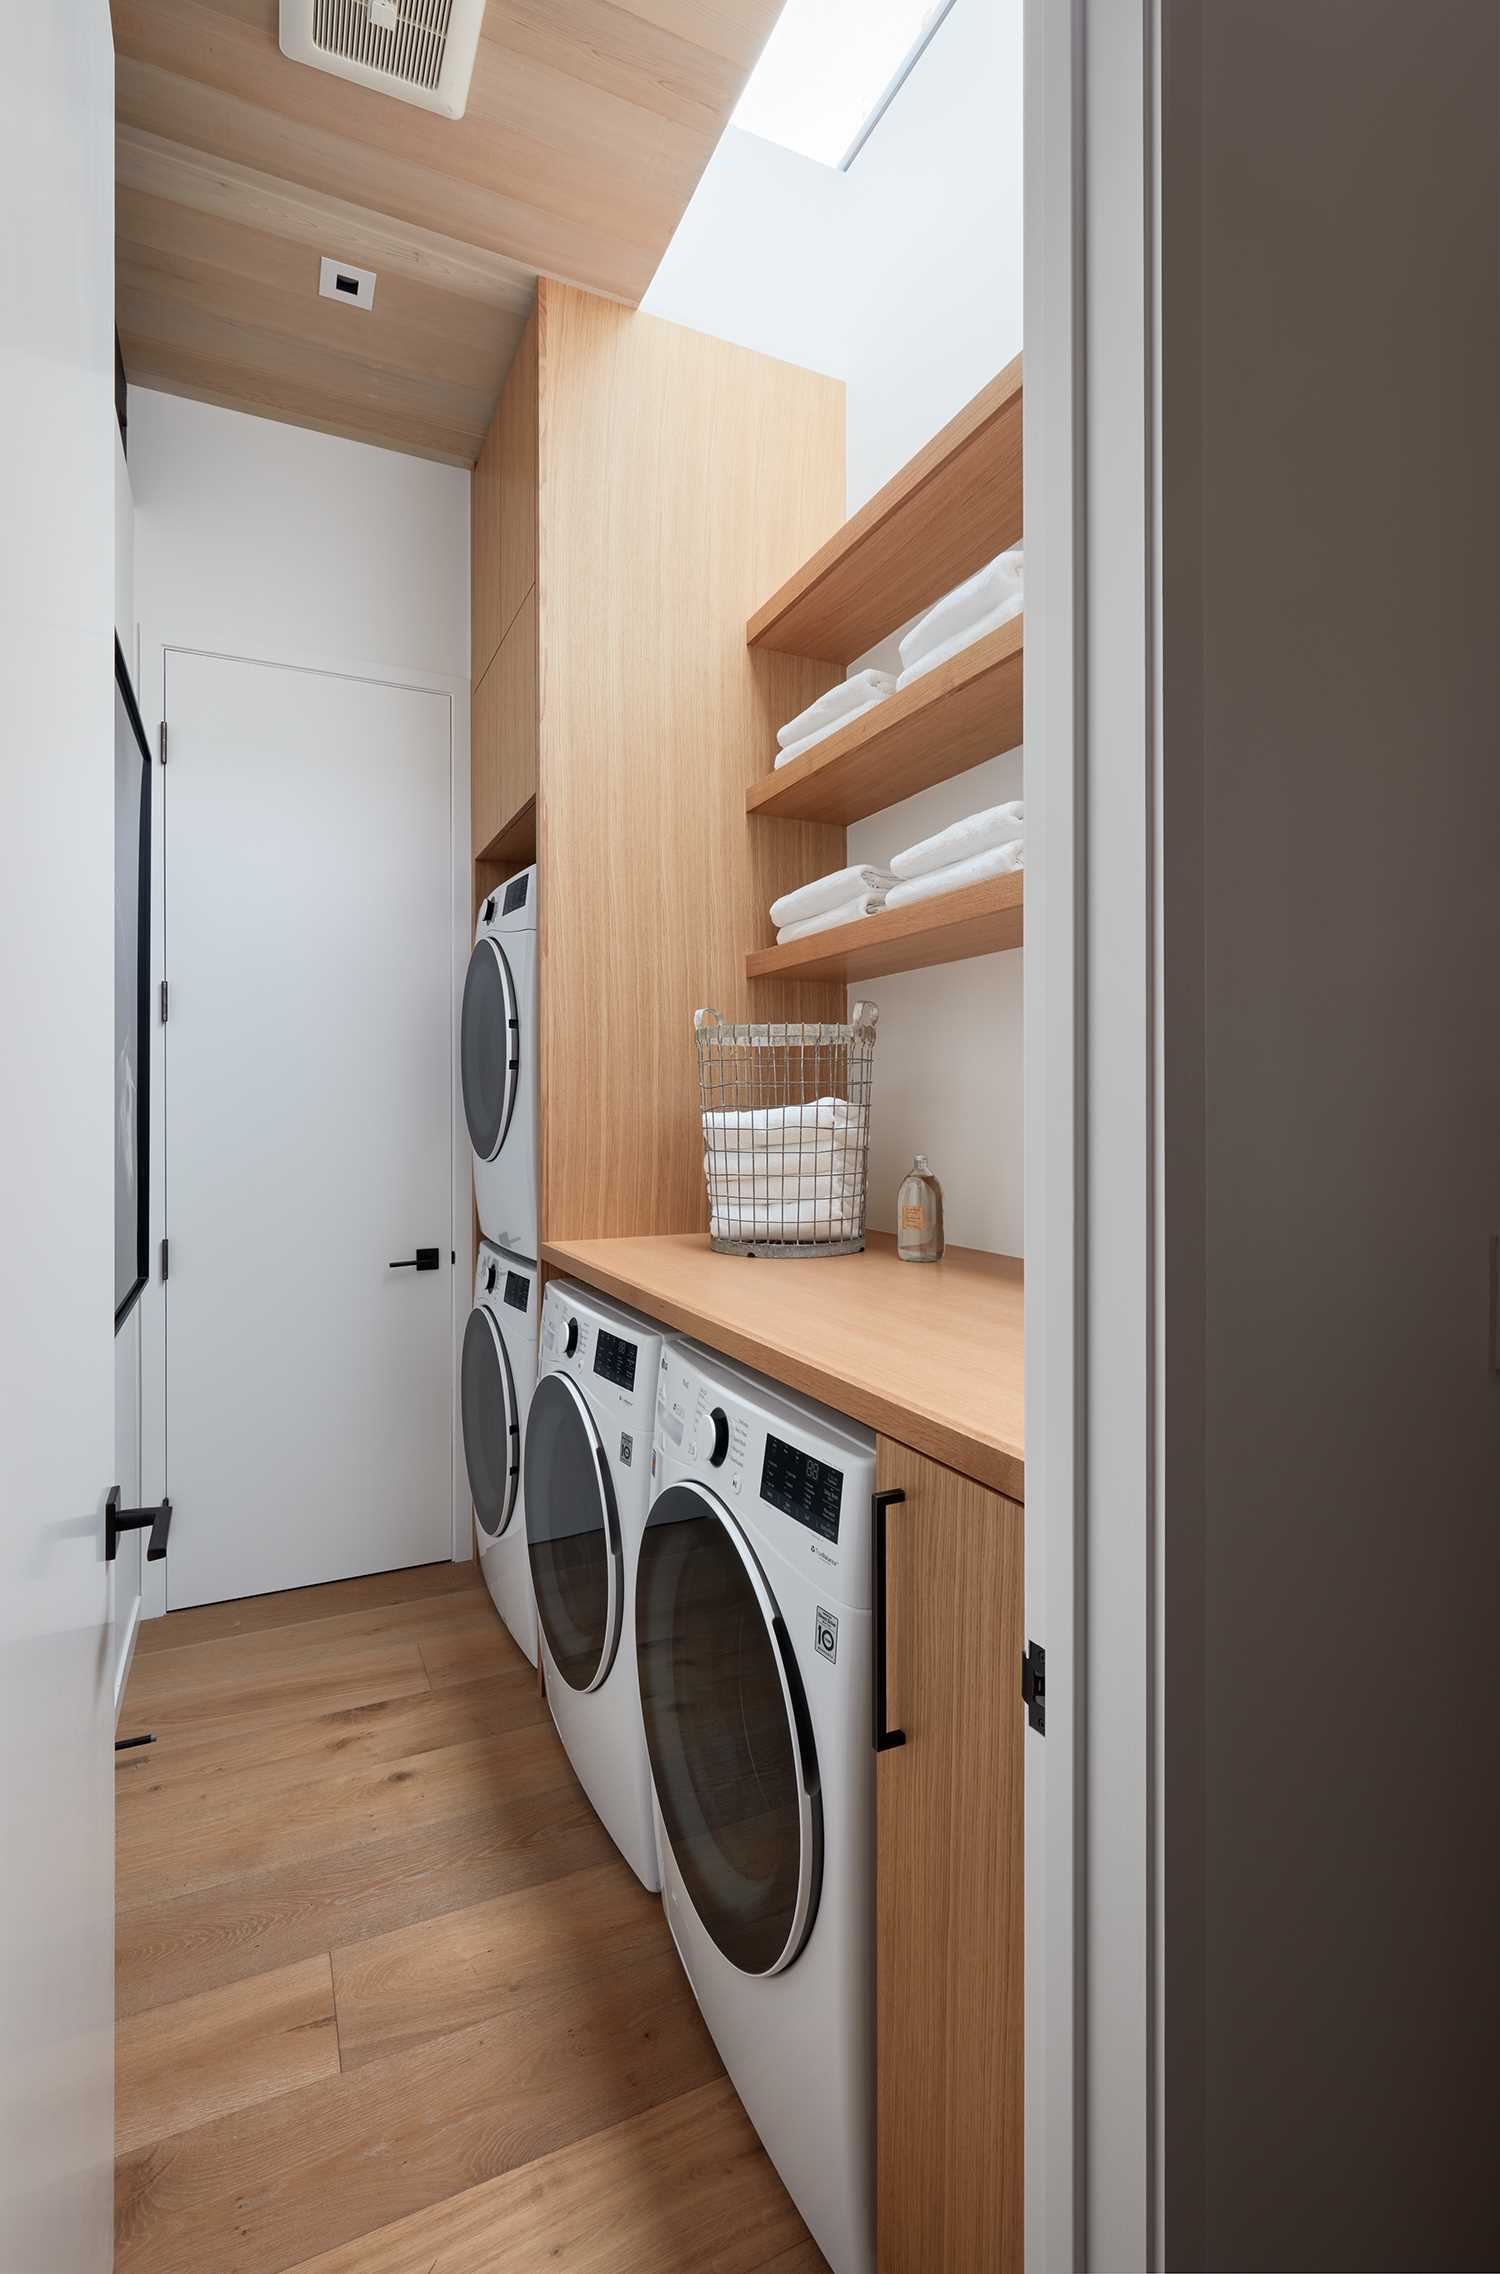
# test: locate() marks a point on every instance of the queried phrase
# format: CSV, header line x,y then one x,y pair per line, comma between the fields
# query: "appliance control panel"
x,y
518,1290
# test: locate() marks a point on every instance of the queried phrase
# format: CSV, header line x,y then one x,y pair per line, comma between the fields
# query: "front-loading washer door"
x,y
728,1732
492,1423
489,1050
572,1533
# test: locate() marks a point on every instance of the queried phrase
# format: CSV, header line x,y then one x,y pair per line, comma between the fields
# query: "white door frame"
x,y
1093,1201
155,647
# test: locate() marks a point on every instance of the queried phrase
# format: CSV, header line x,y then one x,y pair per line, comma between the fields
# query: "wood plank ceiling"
x,y
588,125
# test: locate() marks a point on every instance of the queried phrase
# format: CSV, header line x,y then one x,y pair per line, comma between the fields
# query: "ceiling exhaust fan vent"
x,y
420,51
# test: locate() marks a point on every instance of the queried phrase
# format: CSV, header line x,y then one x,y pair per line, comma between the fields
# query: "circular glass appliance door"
x,y
572,1533
489,1048
492,1426
728,1732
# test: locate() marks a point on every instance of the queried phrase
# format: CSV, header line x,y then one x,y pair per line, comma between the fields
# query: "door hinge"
x,y
164,1002
1034,1686
161,742
166,1259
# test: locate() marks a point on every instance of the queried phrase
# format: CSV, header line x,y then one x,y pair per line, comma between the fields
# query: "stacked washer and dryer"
x,y
498,1067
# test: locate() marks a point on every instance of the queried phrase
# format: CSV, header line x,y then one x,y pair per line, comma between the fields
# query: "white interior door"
x,y
307,1125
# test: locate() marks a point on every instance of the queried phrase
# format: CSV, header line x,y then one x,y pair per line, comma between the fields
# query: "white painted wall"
x,y
268,541
758,257
902,277
57,954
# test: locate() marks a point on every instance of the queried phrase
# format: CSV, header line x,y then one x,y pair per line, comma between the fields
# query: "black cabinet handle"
x,y
118,1520
425,1259
886,1740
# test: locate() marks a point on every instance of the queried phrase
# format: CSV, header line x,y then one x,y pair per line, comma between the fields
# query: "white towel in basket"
x,y
777,1191
833,1158
832,709
788,1223
847,912
997,825
827,892
1000,860
779,1125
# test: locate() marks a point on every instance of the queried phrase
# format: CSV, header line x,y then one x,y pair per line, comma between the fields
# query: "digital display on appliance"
x,y
515,895
807,1490
517,1290
614,1358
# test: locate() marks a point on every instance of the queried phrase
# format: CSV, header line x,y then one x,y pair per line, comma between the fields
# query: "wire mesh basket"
x,y
786,1134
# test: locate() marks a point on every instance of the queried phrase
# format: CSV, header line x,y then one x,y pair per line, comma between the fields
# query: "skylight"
x,y
828,70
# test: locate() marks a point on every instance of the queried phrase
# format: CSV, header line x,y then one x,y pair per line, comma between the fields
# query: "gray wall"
x,y
1331,803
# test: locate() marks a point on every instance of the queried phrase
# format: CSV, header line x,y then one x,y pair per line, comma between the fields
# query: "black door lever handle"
x,y
118,1520
425,1259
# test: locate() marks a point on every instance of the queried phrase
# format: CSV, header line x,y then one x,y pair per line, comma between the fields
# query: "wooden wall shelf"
x,y
981,919
931,1354
516,842
949,510
965,711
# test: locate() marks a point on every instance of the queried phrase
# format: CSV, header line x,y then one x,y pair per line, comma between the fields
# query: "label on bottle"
x,y
913,1216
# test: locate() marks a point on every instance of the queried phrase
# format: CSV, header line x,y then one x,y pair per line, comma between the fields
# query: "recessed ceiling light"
x,y
337,280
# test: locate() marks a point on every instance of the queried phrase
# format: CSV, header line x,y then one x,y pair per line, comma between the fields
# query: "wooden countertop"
x,y
927,1353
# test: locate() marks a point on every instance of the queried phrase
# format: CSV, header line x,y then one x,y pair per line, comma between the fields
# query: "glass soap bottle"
x,y
919,1215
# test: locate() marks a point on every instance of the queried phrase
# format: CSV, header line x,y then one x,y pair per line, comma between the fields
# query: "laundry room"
x,y
569,1430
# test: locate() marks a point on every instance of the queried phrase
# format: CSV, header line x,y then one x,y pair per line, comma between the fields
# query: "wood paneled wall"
x,y
681,479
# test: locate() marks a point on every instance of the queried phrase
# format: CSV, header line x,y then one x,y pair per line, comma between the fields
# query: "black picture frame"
x,y
132,1083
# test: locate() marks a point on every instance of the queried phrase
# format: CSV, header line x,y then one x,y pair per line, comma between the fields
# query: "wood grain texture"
x,y
951,508
950,719
503,510
931,1354
258,1614
679,476
682,2189
504,753
417,2032
979,919
949,1868
588,125
183,2064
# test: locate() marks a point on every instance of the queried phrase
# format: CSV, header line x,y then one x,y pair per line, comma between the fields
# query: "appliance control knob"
x,y
490,1276
570,1339
489,912
720,1420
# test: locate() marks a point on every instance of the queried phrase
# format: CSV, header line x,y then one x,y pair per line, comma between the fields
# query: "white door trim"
x,y
1093,1203
150,689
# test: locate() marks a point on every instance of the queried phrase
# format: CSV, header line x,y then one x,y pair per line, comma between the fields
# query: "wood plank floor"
x,y
389,2001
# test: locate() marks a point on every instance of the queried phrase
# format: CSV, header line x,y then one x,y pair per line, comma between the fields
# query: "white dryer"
x,y
498,1064
754,1644
588,1480
497,1375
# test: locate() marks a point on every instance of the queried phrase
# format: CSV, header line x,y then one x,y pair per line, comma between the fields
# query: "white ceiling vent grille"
x,y
420,51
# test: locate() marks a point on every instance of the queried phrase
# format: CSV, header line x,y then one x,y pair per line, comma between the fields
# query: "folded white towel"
x,y
854,694
831,1158
997,825
828,892
834,726
962,639
980,595
780,1125
1000,860
760,1191
847,912
790,1223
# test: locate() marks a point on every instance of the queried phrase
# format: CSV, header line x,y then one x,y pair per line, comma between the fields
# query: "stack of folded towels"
x,y
789,1172
841,898
849,700
964,615
992,843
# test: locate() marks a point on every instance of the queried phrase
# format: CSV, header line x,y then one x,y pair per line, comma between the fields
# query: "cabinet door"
x,y
503,507
949,1983
504,757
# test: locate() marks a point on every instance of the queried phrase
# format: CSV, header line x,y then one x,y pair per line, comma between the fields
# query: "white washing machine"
x,y
588,1482
497,1375
498,1064
754,1638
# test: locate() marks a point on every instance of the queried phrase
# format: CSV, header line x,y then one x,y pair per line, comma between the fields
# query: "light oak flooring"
x,y
389,2001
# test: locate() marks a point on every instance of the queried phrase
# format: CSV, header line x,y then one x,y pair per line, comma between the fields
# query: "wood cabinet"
x,y
641,489
949,1984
